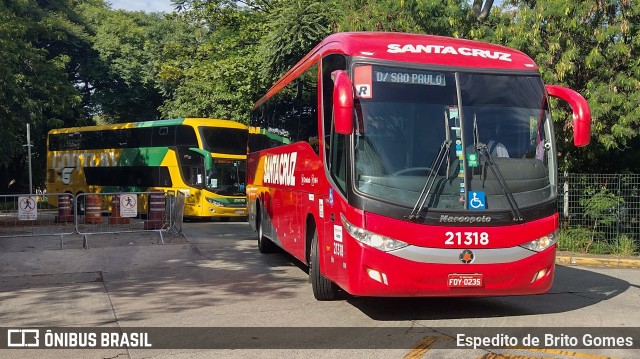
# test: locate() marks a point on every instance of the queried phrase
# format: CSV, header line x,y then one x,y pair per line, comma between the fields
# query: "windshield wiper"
x,y
515,210
431,179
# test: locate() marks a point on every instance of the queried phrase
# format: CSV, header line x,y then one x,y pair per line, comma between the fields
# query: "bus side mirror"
x,y
342,102
581,113
208,161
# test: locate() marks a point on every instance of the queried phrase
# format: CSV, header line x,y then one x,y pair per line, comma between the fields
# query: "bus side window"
x,y
164,136
186,136
307,101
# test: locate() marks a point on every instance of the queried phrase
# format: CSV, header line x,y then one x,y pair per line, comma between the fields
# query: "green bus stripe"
x,y
152,156
238,201
176,121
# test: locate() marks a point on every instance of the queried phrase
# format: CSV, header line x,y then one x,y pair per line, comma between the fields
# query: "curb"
x,y
607,262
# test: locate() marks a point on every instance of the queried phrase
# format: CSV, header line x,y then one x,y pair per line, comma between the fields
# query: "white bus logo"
x,y
23,338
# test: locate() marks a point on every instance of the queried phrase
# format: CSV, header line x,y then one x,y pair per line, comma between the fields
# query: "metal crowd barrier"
x,y
176,209
28,215
101,213
60,214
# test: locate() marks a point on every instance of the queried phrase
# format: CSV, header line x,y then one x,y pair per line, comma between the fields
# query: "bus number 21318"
x,y
467,238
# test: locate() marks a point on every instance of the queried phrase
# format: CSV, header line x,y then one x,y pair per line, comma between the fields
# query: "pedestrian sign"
x,y
128,205
27,208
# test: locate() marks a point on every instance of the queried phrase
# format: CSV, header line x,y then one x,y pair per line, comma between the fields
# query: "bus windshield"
x,y
230,141
493,132
227,177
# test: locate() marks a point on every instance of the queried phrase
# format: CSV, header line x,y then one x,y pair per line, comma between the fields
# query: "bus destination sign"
x,y
409,77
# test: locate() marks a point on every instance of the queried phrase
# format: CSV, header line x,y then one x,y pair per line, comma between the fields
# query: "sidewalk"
x,y
591,260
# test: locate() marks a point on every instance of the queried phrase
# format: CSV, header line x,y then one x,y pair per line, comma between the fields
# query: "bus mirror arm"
x,y
208,161
342,102
581,113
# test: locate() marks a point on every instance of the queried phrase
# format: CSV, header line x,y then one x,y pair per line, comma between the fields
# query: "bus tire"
x,y
264,244
323,288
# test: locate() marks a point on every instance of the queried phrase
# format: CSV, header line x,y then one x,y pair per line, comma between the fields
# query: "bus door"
x,y
331,207
192,170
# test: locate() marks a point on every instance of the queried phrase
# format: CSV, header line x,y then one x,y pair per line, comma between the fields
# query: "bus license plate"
x,y
239,212
464,280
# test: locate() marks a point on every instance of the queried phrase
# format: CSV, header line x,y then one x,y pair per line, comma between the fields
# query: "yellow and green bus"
x,y
201,157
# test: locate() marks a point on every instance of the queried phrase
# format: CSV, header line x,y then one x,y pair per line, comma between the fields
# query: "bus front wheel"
x,y
323,288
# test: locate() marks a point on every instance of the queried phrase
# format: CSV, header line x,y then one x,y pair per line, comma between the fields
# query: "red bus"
x,y
416,165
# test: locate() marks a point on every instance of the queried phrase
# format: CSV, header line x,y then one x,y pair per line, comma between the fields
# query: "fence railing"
x,y
60,214
600,213
28,215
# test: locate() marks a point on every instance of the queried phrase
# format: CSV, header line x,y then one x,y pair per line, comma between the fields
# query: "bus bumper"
x,y
380,274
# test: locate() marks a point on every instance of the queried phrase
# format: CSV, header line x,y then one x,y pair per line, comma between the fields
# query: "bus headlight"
x,y
371,239
542,243
214,202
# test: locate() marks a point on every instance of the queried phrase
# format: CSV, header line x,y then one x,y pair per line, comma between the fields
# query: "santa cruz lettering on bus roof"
x,y
448,50
279,169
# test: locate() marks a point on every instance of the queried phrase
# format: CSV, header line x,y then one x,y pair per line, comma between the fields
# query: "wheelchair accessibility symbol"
x,y
477,200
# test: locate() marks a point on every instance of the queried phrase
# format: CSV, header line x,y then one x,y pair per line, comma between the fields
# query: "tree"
x,y
219,74
293,29
481,9
122,86
41,44
591,47
435,17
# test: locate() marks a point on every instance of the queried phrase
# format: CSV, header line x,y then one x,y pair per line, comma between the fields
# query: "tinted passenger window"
x,y
289,116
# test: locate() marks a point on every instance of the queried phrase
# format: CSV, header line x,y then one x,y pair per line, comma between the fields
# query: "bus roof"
x,y
157,123
415,49
427,49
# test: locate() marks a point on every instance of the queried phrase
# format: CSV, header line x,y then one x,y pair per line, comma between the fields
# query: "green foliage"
x,y
219,74
40,48
601,206
574,239
586,240
122,80
602,209
294,28
591,47
436,17
221,89
625,246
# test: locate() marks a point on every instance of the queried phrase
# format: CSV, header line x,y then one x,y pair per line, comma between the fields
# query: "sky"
x,y
142,5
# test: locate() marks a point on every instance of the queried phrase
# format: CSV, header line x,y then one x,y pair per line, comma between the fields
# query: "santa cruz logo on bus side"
x,y
448,50
280,169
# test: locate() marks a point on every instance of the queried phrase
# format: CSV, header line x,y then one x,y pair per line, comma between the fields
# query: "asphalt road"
x,y
213,289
